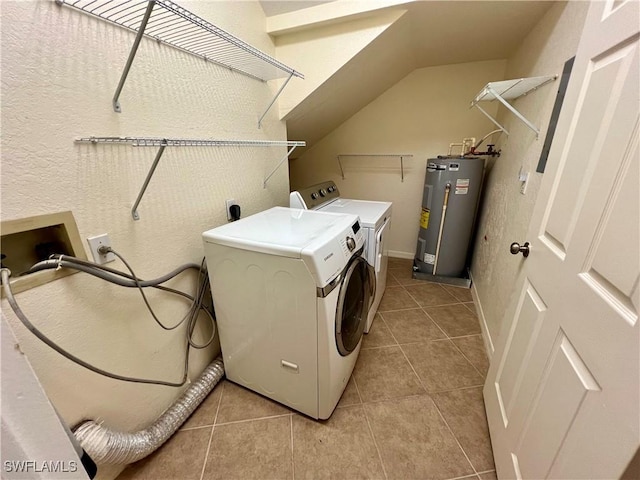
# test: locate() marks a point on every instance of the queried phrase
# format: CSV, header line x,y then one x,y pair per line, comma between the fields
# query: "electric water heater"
x,y
450,199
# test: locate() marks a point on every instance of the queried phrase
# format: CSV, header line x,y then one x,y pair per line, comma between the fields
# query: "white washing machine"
x,y
291,291
376,222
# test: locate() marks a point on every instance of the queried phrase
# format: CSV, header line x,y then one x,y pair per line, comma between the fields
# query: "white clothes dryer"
x,y
291,291
376,223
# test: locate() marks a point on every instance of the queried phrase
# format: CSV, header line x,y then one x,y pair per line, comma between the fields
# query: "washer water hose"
x,y
108,446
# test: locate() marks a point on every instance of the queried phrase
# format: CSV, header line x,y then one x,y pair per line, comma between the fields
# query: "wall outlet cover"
x,y
95,243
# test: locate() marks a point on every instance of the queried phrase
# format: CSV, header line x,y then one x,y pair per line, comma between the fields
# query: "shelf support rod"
x,y
491,118
134,209
132,54
264,184
340,165
402,168
274,99
514,111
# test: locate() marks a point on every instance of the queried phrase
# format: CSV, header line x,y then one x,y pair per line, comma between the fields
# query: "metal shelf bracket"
x,y
401,156
508,90
274,99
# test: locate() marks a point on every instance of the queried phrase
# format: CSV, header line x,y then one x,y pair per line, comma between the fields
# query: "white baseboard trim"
x,y
486,336
399,254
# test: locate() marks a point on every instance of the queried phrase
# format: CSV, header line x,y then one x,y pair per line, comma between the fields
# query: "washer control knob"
x,y
331,189
323,192
314,195
351,244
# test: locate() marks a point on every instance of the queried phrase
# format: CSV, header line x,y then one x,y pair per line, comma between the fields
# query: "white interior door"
x,y
563,391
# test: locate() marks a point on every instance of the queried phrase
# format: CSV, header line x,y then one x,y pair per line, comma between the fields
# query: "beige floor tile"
x,y
350,396
464,412
461,293
411,326
396,298
414,441
404,276
441,366
391,280
382,373
257,449
182,457
239,403
340,447
379,335
488,476
428,294
472,347
205,414
455,320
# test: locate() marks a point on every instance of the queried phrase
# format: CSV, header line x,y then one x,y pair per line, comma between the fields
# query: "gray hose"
x,y
51,264
107,446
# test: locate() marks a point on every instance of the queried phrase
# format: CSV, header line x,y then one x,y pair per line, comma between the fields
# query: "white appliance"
x,y
376,222
291,291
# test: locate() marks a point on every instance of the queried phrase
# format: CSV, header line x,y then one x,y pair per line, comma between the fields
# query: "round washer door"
x,y
353,306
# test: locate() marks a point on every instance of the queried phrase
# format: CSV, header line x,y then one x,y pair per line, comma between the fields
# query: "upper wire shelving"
x,y
163,143
167,22
510,90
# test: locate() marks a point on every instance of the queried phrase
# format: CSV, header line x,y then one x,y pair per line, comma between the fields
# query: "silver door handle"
x,y
516,248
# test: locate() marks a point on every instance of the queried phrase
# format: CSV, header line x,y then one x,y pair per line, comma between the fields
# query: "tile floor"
x,y
413,408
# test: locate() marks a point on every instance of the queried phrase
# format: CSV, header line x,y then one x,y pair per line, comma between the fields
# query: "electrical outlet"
x,y
95,243
228,204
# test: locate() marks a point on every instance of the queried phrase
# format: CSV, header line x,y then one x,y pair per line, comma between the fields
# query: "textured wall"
x,y
59,71
420,115
506,212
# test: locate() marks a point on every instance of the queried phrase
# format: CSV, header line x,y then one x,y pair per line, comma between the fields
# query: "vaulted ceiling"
x,y
427,33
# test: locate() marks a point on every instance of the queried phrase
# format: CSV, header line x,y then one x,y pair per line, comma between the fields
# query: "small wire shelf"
x,y
163,143
186,142
401,156
167,22
510,90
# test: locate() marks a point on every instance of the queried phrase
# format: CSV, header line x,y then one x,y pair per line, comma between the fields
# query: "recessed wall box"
x,y
27,241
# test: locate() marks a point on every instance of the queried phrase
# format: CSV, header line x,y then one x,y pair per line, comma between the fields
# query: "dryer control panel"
x,y
314,196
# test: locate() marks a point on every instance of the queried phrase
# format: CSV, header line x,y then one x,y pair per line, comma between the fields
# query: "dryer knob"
x,y
323,192
314,195
351,244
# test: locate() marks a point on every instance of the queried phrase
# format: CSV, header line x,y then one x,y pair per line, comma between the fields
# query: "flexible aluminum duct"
x,y
107,446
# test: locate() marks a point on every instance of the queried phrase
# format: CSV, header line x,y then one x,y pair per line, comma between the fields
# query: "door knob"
x,y
516,248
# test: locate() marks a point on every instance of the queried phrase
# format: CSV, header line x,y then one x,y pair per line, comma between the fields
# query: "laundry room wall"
x,y
420,115
506,212
59,69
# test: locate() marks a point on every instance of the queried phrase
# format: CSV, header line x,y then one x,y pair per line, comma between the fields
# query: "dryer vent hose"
x,y
107,446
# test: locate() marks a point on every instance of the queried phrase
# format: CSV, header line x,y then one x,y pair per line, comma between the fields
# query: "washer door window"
x,y
353,306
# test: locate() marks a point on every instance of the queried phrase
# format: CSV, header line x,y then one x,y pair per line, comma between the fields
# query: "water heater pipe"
x,y
108,446
447,190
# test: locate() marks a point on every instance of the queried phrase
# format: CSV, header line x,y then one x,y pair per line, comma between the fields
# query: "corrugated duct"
x,y
107,446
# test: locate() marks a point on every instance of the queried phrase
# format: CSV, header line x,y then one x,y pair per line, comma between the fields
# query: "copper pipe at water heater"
x,y
447,190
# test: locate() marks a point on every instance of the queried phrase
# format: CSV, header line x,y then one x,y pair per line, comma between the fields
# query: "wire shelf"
x,y
171,24
401,156
510,90
163,143
167,22
186,142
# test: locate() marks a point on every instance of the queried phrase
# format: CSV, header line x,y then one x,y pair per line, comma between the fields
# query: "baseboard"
x,y
486,336
399,254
